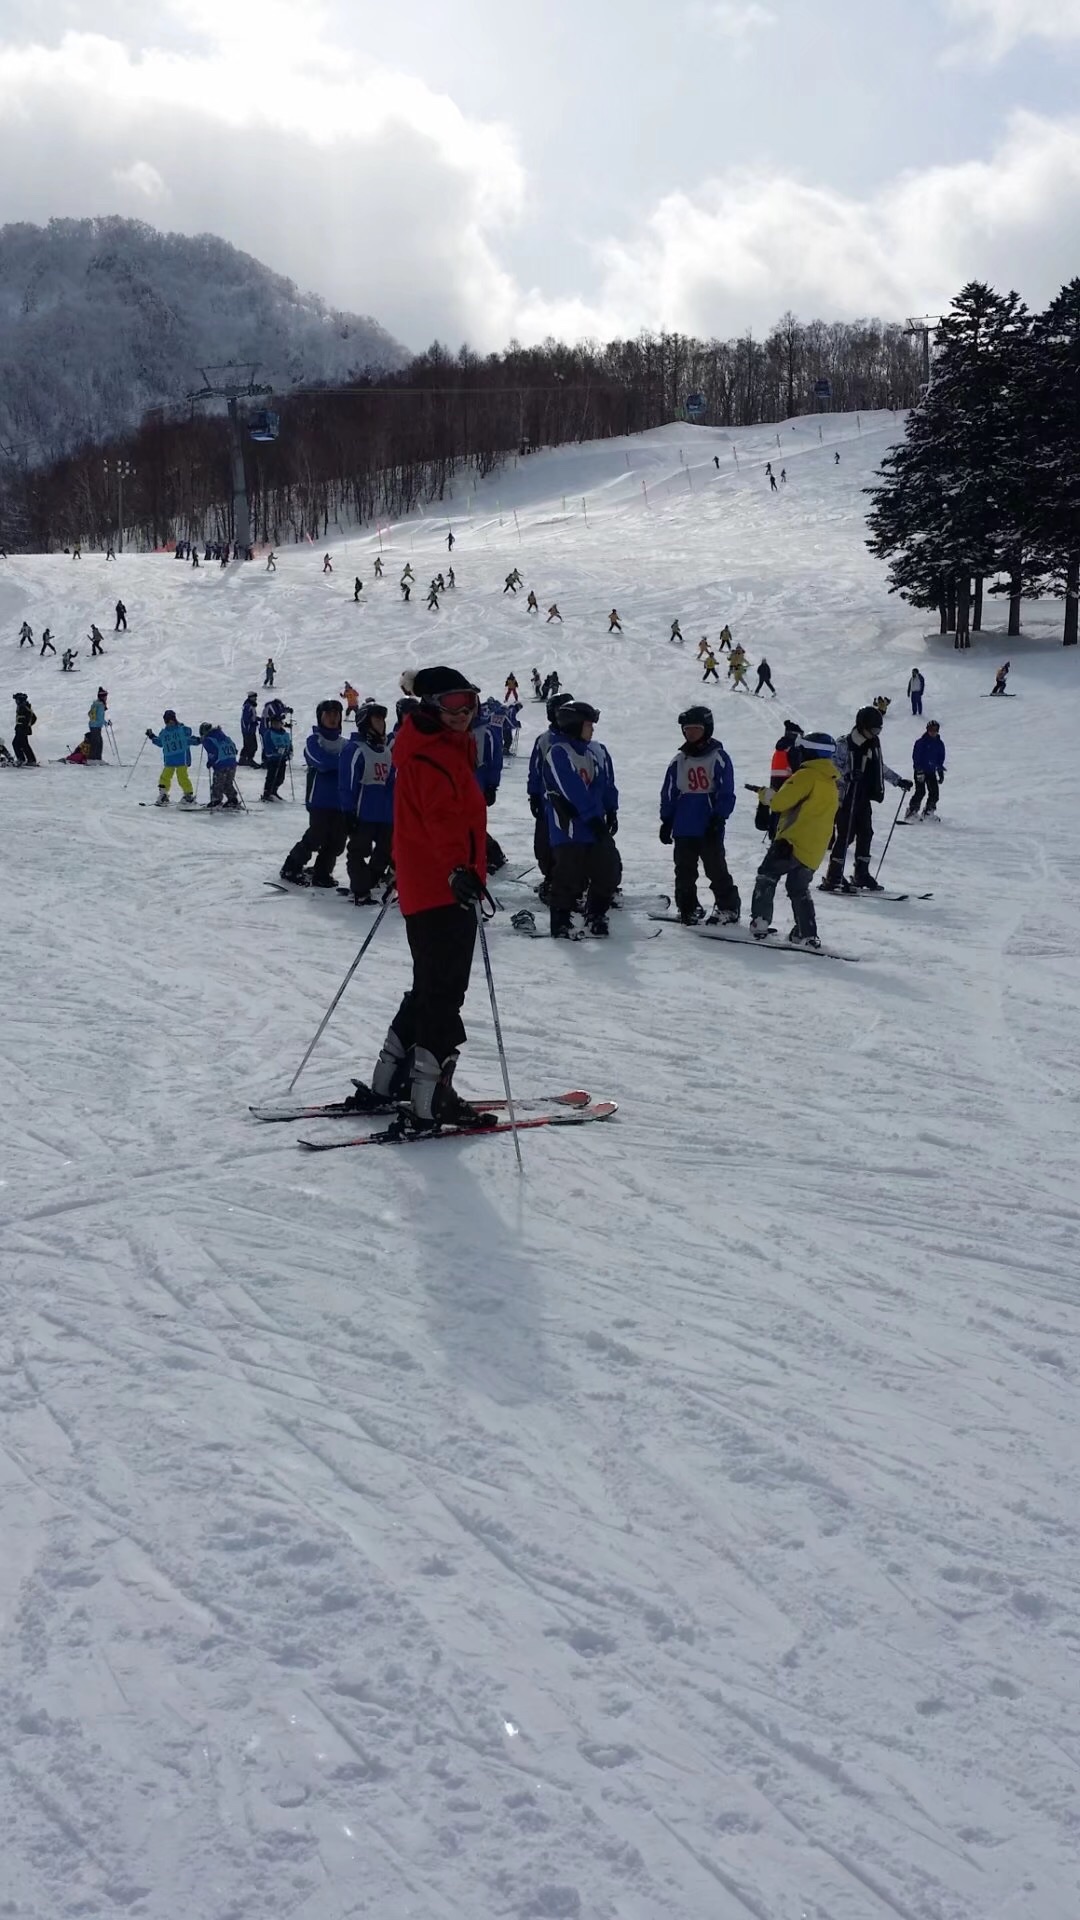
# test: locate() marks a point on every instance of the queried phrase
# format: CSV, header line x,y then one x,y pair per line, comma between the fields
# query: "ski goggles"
x,y
457,702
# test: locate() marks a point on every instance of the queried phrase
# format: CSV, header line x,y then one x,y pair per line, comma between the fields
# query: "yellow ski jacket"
x,y
807,806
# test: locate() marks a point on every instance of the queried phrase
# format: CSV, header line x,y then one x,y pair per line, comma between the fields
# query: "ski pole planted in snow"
x,y
135,763
112,738
892,830
325,1021
498,1033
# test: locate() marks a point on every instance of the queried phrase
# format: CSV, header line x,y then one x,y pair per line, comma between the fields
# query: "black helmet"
x,y
572,717
205,727
369,710
697,717
557,700
432,682
253,696
329,706
276,709
817,746
168,716
868,720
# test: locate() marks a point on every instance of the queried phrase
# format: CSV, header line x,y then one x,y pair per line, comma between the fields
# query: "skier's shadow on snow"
x,y
484,1288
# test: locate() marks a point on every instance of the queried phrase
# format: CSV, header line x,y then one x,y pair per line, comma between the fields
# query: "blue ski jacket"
x,y
276,742
487,733
534,783
928,754
175,744
366,782
579,790
220,751
698,791
249,716
322,755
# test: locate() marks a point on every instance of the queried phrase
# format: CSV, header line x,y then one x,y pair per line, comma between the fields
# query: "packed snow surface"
x,y
687,1531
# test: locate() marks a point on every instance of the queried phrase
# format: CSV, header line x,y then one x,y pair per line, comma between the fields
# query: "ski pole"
x,y
135,763
498,1035
112,738
292,782
324,1022
892,830
198,773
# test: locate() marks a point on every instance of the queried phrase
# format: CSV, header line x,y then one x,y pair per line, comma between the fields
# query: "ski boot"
x,y
596,927
562,925
323,880
797,939
389,1082
760,929
433,1102
188,800
162,799
295,876
865,882
724,917
691,916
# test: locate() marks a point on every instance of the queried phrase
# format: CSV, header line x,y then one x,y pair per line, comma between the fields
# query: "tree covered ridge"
x,y
985,486
384,444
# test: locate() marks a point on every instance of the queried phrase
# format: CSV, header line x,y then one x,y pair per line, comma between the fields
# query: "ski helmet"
x,y
329,706
697,717
557,700
205,727
868,720
933,726
816,746
253,696
572,717
431,683
168,716
405,706
276,710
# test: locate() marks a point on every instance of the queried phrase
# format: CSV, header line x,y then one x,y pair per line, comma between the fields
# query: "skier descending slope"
x,y
697,797
439,826
327,828
806,805
582,816
928,762
863,774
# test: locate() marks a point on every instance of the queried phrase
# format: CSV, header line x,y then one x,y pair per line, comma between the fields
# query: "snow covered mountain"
x,y
101,319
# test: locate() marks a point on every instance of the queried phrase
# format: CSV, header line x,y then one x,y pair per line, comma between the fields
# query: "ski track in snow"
x,y
686,1533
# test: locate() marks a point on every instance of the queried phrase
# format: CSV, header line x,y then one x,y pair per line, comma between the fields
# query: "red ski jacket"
x,y
440,816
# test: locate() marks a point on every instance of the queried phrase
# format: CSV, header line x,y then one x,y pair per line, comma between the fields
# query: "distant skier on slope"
x,y
806,808
327,564
916,687
928,762
249,730
97,640
711,667
675,637
47,644
764,678
378,566
553,614
26,636
121,617
268,674
1000,678
696,800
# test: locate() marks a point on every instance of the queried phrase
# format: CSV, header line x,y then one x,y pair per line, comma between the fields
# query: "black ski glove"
x,y
712,827
466,886
536,806
611,821
906,786
666,835
149,735
490,795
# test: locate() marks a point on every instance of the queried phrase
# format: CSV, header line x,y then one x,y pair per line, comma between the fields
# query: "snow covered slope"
x,y
688,1532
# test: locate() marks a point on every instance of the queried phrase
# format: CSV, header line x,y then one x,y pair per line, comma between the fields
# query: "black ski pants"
x,y
441,941
709,850
223,787
854,822
250,747
93,743
541,843
95,646
582,867
121,621
275,776
927,787
327,832
710,673
916,701
368,854
24,752
780,864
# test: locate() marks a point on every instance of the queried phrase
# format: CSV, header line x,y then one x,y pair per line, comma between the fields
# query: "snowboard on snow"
x,y
524,924
771,943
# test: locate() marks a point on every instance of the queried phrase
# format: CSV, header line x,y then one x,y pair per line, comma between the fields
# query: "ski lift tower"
x,y
233,383
924,330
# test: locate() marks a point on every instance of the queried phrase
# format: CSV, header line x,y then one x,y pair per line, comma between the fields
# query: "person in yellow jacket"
x,y
806,805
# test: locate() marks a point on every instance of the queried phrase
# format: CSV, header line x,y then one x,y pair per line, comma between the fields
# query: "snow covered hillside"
x,y
102,319
686,1532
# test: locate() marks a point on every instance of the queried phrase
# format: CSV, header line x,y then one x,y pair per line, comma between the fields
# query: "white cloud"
x,y
358,181
143,179
737,21
999,25
746,245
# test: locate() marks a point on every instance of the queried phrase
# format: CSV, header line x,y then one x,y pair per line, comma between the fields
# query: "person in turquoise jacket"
x,y
96,720
175,743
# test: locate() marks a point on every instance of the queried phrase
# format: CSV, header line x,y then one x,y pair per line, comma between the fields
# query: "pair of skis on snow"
x,y
572,1109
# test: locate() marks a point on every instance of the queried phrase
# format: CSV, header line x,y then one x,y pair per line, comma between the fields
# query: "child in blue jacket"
x,y
366,798
220,754
175,743
697,798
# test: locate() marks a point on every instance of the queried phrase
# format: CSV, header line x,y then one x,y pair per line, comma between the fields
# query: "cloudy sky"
x,y
579,167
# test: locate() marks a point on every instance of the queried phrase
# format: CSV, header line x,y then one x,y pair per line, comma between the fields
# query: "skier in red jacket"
x,y
440,826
